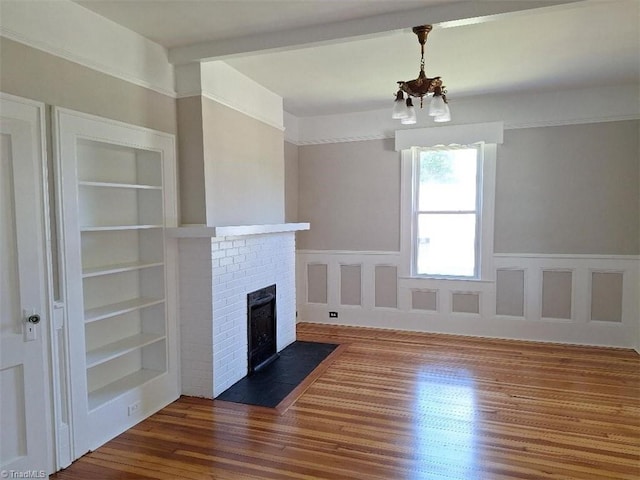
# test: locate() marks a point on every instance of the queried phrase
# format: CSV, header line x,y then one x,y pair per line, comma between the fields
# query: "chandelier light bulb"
x,y
411,117
437,106
399,109
444,117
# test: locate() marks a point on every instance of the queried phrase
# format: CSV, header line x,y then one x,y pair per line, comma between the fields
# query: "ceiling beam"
x,y
442,15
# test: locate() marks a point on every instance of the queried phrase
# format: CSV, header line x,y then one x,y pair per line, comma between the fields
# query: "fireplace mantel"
x,y
201,231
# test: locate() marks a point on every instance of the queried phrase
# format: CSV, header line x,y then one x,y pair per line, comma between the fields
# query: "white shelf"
x,y
100,313
123,385
121,347
112,228
117,268
119,185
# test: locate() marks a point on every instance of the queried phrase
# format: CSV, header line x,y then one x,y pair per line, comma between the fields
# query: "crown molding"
x,y
232,105
221,83
573,121
100,44
83,61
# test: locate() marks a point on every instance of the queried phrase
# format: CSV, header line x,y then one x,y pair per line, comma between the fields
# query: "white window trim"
x,y
487,210
415,211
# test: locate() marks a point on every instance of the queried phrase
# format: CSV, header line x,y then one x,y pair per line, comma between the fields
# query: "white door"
x,y
24,431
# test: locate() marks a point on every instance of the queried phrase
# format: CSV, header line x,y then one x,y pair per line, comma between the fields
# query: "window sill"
x,y
421,282
446,279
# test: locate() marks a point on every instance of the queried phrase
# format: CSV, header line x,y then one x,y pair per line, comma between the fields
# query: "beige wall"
x,y
31,73
190,161
290,182
243,166
559,190
569,189
350,192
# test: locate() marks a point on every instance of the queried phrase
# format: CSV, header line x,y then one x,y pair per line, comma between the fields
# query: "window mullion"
x,y
449,212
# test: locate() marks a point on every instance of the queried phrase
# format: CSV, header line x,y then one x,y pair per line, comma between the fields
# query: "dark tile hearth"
x,y
270,385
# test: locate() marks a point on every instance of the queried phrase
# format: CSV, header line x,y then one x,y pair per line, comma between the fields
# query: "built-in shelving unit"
x,y
118,199
110,201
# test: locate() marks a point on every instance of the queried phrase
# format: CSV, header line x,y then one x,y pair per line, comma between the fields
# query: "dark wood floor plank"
x,y
400,405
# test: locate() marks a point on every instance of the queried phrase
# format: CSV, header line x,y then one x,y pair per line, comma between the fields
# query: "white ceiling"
x,y
581,44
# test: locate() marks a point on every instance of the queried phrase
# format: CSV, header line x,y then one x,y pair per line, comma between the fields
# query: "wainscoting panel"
x,y
510,292
316,283
351,285
582,299
606,296
424,300
557,286
465,302
386,282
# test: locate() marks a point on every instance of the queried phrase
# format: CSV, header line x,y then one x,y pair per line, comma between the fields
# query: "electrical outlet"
x,y
133,408
333,314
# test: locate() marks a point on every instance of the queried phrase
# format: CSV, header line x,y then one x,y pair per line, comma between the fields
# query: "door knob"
x,y
35,319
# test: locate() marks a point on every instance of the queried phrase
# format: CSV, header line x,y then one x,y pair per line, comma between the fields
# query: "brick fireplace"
x,y
232,204
218,269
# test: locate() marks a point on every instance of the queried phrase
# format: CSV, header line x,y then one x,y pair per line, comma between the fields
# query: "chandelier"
x,y
421,87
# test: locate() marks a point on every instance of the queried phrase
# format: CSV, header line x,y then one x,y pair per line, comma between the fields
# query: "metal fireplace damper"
x,y
261,328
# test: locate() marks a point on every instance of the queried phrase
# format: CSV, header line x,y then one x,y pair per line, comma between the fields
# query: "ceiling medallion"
x,y
421,87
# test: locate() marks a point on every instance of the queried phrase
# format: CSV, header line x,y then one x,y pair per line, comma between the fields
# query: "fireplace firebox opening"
x,y
261,328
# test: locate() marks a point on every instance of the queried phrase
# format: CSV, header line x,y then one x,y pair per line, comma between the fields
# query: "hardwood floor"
x,y
400,405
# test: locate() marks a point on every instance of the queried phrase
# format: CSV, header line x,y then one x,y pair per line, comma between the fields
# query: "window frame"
x,y
477,212
484,238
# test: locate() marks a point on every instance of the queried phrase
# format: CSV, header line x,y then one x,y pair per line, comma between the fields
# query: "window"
x,y
447,211
447,201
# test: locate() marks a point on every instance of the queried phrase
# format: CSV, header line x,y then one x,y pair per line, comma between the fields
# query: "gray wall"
x,y
569,189
190,157
559,190
290,182
243,167
31,73
350,192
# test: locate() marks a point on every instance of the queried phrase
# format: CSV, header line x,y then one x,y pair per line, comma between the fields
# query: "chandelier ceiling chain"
x,y
421,87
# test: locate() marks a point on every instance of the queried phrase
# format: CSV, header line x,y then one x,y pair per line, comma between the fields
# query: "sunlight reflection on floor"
x,y
445,423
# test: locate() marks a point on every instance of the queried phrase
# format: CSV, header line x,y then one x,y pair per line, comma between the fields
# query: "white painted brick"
x,y
226,261
218,271
226,278
237,266
218,254
239,259
220,301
